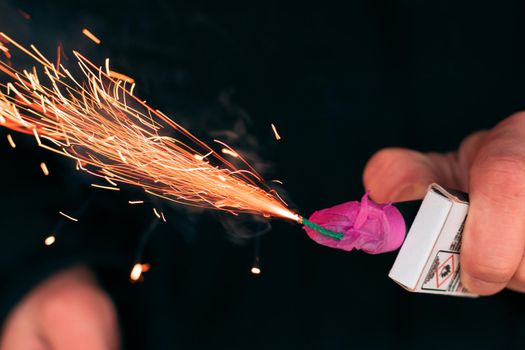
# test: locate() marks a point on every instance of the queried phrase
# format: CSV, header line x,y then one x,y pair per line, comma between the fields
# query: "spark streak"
x,y
106,187
11,141
91,36
44,168
67,216
276,134
92,117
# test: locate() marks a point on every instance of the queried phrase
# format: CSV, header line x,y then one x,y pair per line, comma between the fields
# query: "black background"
x,y
340,83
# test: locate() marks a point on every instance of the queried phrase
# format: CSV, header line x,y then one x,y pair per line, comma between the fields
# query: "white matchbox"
x,y
428,261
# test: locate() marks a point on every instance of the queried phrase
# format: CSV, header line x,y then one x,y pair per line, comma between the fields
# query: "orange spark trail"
x,y
86,114
276,134
91,36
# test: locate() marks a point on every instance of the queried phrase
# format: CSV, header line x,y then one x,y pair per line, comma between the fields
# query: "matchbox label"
x,y
442,273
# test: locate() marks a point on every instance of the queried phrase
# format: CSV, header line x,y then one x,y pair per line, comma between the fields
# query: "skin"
x,y
490,166
68,311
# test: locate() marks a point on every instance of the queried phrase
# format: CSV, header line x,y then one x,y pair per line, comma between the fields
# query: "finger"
x,y
517,283
494,237
80,311
467,152
20,331
397,174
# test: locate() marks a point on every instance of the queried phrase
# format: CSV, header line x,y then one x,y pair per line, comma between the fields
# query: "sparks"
x,y
120,76
156,213
136,202
106,187
255,270
275,133
49,240
136,272
87,115
67,216
44,168
11,141
230,152
91,36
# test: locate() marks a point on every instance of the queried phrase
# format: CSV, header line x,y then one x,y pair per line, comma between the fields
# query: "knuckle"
x,y
518,117
491,273
500,175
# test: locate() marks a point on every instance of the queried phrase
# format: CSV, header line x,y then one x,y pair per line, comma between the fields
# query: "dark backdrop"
x,y
340,83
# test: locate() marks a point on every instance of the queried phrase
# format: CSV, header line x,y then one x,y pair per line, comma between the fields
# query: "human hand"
x,y
490,165
67,311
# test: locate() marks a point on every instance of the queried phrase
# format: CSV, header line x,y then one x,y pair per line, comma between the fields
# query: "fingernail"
x,y
410,192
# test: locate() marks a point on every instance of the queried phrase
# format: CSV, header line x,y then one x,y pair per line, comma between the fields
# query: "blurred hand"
x,y
68,311
490,165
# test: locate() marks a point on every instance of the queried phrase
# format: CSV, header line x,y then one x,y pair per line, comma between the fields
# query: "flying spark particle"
x,y
49,240
156,213
136,272
44,168
107,65
67,216
199,157
136,202
11,141
146,267
91,36
110,181
120,76
230,152
256,270
277,136
163,217
278,182
106,187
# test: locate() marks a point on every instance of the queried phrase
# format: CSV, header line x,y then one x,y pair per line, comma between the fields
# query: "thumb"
x,y
398,174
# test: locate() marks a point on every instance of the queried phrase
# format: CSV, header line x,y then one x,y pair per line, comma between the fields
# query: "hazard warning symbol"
x,y
442,272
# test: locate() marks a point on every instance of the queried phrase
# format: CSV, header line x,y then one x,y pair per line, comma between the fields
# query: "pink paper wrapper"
x,y
366,225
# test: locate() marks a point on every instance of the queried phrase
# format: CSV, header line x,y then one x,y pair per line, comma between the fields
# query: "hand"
x,y
68,311
490,165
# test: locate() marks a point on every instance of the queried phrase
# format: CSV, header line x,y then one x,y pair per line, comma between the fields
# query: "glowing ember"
x,y
49,240
91,36
230,152
276,134
136,202
256,270
93,118
44,168
136,272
